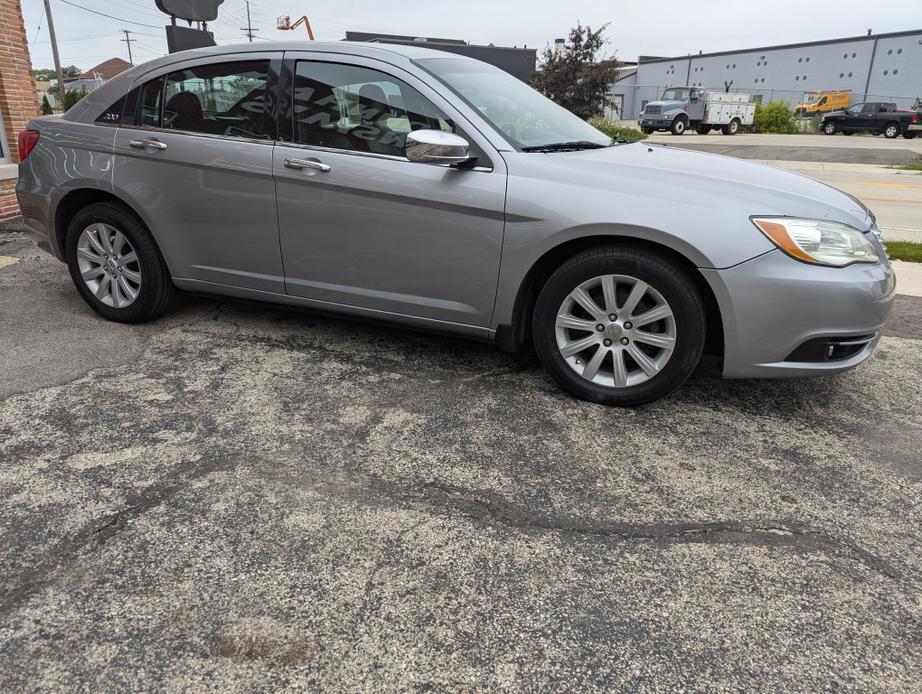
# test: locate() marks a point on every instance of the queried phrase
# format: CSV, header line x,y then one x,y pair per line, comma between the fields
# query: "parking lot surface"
x,y
248,497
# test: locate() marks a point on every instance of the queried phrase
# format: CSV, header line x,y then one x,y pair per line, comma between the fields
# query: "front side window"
x,y
226,99
528,119
856,109
359,109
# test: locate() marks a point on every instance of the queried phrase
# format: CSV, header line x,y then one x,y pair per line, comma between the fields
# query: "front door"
x,y
362,226
194,151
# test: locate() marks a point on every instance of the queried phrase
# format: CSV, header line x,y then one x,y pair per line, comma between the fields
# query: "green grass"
x,y
617,132
905,250
908,167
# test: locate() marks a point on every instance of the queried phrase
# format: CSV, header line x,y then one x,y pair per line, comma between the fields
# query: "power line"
x,y
38,29
103,14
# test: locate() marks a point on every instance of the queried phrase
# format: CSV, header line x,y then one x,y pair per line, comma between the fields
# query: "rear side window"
x,y
113,114
123,111
222,99
226,99
149,112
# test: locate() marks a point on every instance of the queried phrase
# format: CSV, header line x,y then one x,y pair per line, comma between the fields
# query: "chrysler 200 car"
x,y
410,185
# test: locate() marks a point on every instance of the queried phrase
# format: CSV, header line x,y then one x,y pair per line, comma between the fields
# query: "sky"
x,y
664,28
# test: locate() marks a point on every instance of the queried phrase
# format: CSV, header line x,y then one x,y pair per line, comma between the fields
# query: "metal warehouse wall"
x,y
883,67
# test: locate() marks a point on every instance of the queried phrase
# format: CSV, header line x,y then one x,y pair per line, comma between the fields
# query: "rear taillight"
x,y
27,141
915,118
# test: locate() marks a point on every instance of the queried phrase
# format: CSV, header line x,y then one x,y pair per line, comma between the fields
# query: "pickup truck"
x,y
875,117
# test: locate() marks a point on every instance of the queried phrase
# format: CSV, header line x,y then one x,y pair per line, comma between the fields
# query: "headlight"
x,y
668,117
818,242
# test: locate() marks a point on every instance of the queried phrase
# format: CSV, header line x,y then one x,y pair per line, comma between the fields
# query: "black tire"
x,y
702,129
670,280
891,130
910,136
679,125
647,131
830,127
157,294
848,132
731,128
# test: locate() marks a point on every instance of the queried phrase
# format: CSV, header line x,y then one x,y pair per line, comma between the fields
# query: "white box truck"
x,y
681,108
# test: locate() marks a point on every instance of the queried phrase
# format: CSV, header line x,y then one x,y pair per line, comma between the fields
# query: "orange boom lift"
x,y
284,24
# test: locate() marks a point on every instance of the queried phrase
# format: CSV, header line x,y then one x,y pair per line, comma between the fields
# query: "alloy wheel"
x,y
109,265
615,331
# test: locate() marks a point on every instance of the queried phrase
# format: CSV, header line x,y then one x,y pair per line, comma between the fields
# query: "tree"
x,y
44,74
72,71
578,76
72,96
46,107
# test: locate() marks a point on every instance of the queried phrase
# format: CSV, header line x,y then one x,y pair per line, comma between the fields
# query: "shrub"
x,y
615,131
72,96
46,107
774,117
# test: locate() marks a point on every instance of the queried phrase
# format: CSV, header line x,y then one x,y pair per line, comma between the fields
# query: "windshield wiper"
x,y
565,146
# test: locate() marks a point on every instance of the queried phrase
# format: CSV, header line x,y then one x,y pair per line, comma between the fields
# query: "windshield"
x,y
675,95
527,119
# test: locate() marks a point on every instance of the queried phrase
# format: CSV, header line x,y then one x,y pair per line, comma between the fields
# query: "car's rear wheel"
x,y
829,127
891,130
619,326
116,265
910,136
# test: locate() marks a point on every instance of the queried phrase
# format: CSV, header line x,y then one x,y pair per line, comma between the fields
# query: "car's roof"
x,y
343,47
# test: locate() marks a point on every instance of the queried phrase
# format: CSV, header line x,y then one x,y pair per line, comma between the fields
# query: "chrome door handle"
x,y
298,164
144,144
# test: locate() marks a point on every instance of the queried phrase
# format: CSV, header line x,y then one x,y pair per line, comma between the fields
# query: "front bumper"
x,y
772,305
656,123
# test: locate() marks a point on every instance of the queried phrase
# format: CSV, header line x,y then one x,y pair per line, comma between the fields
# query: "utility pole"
x,y
129,41
54,52
248,29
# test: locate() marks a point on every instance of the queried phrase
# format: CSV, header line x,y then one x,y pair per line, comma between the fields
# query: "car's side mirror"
x,y
436,147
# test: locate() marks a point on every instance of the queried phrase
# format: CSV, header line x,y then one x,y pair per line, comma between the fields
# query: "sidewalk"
x,y
908,278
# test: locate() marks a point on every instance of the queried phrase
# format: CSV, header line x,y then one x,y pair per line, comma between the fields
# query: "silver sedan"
x,y
409,185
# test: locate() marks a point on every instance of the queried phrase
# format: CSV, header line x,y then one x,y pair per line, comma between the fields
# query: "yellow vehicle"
x,y
823,102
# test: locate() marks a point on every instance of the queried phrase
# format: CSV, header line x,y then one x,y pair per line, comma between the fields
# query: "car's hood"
x,y
699,180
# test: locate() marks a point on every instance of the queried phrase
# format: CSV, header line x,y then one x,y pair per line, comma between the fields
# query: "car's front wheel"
x,y
116,265
679,125
619,326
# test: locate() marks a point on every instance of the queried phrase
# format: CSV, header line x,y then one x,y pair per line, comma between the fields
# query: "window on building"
x,y
356,108
4,154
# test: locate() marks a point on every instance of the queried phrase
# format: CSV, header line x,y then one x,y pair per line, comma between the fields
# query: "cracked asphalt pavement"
x,y
246,497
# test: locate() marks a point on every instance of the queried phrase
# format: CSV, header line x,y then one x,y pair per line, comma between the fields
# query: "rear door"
x,y
195,155
362,226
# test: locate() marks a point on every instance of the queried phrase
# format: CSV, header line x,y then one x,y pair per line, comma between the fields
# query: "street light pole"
x,y
54,52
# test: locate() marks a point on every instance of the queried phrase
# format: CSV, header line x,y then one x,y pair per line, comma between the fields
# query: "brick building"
x,y
18,100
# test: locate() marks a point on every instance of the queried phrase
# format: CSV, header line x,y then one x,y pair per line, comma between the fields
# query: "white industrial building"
x,y
875,67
